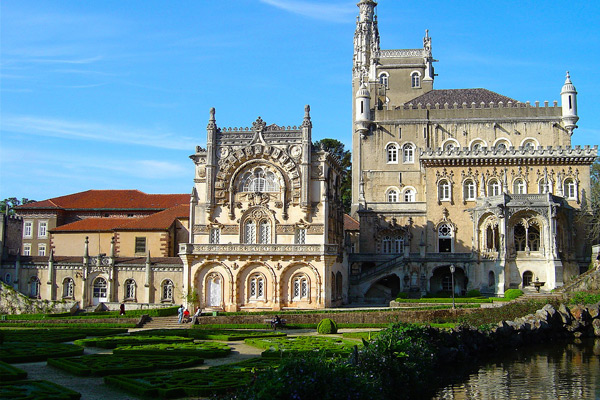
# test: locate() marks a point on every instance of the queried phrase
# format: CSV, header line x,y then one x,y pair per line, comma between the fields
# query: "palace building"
x,y
462,179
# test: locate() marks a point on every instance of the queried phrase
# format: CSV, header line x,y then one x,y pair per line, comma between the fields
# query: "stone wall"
x,y
13,302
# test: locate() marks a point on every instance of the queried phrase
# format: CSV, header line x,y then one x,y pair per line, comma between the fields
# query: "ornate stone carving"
x,y
316,229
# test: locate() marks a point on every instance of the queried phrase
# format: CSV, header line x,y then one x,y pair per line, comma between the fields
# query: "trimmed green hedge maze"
x,y
55,335
36,390
106,364
191,383
10,373
197,349
112,342
226,335
16,352
277,347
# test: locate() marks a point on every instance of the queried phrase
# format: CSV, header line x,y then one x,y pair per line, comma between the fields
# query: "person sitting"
x,y
186,316
276,322
196,315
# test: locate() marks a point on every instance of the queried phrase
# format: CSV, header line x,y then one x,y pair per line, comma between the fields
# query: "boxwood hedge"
x,y
55,335
112,342
16,352
197,349
10,373
294,345
226,335
36,390
108,364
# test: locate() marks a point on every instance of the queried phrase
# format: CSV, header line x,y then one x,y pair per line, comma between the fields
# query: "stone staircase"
x,y
165,323
589,280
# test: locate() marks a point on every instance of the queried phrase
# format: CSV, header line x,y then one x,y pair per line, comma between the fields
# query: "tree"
x,y
11,203
594,202
336,148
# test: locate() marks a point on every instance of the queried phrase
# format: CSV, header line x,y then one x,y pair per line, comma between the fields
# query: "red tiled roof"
x,y
91,225
350,224
159,221
110,200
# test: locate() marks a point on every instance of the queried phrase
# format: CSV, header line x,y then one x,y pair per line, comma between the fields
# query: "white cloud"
x,y
60,128
317,10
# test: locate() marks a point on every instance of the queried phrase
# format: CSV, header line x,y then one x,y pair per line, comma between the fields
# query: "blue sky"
x,y
115,94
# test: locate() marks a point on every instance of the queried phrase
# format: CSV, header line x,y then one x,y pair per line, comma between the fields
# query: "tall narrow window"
x,y
519,186
493,187
444,190
34,287
68,288
265,231
383,79
256,287
445,238
415,80
469,190
129,289
570,189
543,186
215,235
42,249
42,229
250,232
408,153
27,249
167,290
301,236
27,229
409,196
392,154
140,245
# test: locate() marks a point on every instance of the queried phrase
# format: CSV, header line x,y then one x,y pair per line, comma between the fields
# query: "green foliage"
x,y
336,147
327,326
296,345
361,335
197,349
445,300
509,312
63,325
108,364
10,373
192,383
402,295
400,357
36,390
15,352
310,377
584,298
11,203
112,342
56,317
512,294
473,293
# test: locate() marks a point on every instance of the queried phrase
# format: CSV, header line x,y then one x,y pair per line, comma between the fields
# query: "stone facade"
x,y
463,177
267,229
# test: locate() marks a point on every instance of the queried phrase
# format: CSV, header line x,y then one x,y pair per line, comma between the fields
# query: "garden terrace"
x,y
296,345
36,390
196,349
18,352
109,364
55,335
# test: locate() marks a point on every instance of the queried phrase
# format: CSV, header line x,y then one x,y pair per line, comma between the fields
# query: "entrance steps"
x,y
165,323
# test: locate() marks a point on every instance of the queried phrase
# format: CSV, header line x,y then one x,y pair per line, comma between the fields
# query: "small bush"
x,y
473,293
327,326
512,294
402,295
584,298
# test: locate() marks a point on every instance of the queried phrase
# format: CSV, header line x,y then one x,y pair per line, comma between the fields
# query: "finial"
x,y
51,257
148,257
212,114
426,32
307,111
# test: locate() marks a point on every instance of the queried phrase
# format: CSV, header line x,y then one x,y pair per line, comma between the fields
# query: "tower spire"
x,y
568,97
366,43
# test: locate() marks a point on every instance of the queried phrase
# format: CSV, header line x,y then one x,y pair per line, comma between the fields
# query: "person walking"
x,y
122,309
180,313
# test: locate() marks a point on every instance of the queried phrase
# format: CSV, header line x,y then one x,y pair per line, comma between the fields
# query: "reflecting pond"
x,y
550,371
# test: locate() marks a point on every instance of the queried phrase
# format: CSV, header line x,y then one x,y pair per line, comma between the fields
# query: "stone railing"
x,y
258,249
402,53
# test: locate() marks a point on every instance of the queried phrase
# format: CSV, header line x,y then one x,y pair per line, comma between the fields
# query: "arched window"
x,y
340,284
34,287
167,290
409,196
265,232
256,287
300,288
250,232
392,196
260,179
384,79
543,186
415,80
526,237
129,289
502,145
450,145
68,288
99,290
478,145
392,245
492,238
392,153
408,153
529,145
469,190
444,193
519,186
445,235
491,279
570,189
494,188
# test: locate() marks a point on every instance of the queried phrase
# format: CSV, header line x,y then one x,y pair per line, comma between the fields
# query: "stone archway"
x,y
441,280
383,290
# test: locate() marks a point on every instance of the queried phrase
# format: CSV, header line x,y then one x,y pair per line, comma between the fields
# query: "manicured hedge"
x,y
192,383
152,312
10,373
226,335
327,326
512,294
16,352
196,349
55,335
77,325
294,345
112,342
36,390
457,300
361,335
109,364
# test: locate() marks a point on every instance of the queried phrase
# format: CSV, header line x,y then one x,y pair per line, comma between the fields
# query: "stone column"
x,y
148,283
50,283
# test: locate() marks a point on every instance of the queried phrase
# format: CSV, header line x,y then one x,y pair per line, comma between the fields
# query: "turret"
x,y
362,105
568,97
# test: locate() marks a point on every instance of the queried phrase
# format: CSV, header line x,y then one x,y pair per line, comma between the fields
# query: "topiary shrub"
x,y
512,294
473,293
327,326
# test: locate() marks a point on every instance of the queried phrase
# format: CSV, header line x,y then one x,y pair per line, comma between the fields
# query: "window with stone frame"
x,y
256,285
494,187
519,186
392,196
570,189
68,288
140,245
28,229
215,235
42,249
544,186
392,153
43,229
392,245
130,289
469,190
300,288
409,196
259,179
27,249
167,290
444,190
34,287
300,235
415,80
384,79
408,153
445,237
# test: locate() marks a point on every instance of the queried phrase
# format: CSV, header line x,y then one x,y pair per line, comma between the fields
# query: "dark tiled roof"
x,y
350,224
110,200
159,221
460,96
